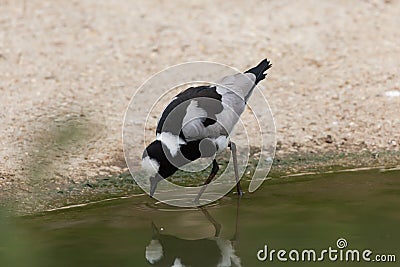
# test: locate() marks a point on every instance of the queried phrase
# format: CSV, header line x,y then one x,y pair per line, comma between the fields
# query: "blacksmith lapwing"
x,y
197,124
207,250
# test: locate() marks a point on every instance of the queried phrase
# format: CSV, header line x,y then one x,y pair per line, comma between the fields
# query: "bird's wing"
x,y
190,112
208,111
211,111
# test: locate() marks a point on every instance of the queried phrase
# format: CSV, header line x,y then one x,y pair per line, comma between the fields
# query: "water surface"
x,y
307,212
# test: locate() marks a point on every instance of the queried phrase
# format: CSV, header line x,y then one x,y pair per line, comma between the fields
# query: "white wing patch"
x,y
171,141
150,165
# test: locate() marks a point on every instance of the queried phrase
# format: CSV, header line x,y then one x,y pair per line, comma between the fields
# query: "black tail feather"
x,y
260,70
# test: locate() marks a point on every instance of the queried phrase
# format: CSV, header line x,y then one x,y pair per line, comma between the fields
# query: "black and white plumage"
x,y
197,123
213,250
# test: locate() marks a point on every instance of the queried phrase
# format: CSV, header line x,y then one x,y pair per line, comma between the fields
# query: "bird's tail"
x,y
260,70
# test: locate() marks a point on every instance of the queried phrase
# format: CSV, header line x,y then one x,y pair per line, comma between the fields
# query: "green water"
x,y
308,212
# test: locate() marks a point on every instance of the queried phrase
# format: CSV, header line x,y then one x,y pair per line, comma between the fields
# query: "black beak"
x,y
153,183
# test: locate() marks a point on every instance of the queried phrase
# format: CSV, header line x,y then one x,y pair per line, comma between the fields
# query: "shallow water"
x,y
308,212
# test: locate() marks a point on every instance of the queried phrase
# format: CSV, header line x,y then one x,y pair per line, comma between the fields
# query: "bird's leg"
x,y
217,225
232,146
214,170
236,235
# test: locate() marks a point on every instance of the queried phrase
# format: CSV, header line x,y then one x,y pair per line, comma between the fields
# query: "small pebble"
x,y
394,93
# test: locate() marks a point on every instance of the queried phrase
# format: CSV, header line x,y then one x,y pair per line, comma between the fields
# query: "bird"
x,y
210,250
197,124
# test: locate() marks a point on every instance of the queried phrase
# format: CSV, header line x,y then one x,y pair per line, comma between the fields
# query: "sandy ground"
x,y
69,68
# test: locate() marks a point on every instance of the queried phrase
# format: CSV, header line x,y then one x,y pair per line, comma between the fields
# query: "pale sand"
x,y
77,64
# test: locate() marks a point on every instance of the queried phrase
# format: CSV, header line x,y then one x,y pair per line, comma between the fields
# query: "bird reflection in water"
x,y
172,251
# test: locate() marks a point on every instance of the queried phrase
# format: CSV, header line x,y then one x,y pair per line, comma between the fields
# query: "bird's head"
x,y
152,157
160,163
156,163
151,162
